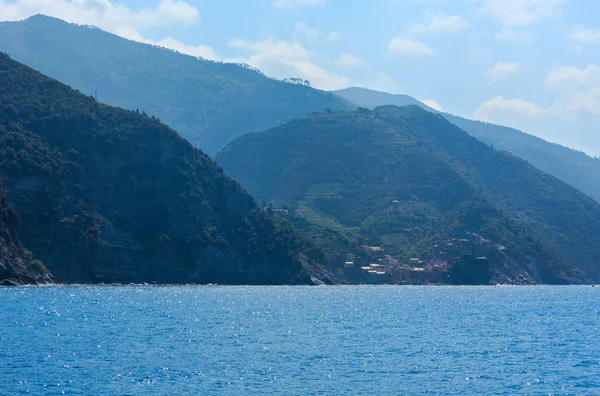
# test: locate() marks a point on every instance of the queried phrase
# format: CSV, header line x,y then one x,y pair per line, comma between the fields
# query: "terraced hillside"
x,y
571,166
410,181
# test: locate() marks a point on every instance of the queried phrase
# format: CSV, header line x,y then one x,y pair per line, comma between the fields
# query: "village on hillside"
x,y
454,260
371,265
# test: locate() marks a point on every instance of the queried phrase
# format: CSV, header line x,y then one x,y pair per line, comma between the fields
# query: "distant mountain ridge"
x,y
112,195
571,166
208,103
410,181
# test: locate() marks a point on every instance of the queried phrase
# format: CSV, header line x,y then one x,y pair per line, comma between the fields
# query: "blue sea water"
x,y
299,340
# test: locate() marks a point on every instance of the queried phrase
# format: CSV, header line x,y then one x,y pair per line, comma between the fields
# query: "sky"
x,y
530,64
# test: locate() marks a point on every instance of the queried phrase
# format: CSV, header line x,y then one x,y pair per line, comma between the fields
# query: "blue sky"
x,y
531,64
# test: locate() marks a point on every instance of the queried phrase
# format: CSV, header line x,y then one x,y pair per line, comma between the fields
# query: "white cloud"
x,y
577,100
577,106
433,104
508,34
516,113
284,59
582,35
572,121
348,60
307,33
333,36
291,4
570,79
502,70
579,90
572,117
520,12
174,11
402,47
383,82
440,23
271,47
115,18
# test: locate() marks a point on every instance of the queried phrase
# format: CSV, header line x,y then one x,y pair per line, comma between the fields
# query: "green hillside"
x,y
208,103
110,195
571,166
408,180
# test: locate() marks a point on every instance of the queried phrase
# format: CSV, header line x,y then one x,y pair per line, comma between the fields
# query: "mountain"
x,y
571,166
410,181
208,103
370,99
16,265
110,195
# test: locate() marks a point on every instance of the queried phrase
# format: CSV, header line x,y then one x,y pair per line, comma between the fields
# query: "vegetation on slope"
x,y
16,265
408,179
208,103
571,166
110,195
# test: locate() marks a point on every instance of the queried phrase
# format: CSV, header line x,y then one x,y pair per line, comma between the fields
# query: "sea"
x,y
321,340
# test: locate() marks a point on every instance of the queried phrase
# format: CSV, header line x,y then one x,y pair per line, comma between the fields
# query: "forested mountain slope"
x,y
408,180
110,195
571,166
208,103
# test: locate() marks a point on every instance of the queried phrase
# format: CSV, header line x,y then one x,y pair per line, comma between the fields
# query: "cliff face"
x,y
16,266
110,195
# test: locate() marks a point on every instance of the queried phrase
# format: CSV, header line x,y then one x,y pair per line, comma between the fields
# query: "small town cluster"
x,y
371,265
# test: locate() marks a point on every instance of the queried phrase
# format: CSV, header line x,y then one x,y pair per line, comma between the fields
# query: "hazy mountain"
x,y
370,99
16,265
409,180
571,166
110,195
208,103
